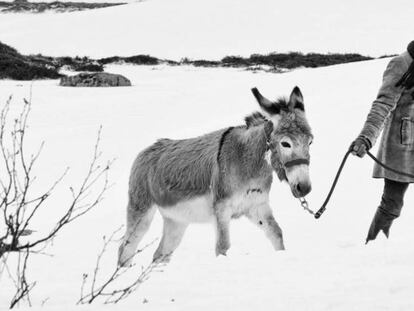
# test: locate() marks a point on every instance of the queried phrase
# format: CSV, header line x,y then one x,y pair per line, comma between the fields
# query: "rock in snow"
x,y
101,79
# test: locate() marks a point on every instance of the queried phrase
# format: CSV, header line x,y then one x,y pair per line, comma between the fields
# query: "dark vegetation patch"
x,y
292,60
387,56
136,60
200,62
24,6
79,64
279,62
14,65
276,61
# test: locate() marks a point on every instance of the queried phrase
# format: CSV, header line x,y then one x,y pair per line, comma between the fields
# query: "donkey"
x,y
219,176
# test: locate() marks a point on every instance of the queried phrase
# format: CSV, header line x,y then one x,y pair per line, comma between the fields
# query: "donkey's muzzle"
x,y
302,189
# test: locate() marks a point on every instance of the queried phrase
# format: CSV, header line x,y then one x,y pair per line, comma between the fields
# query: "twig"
x,y
104,290
18,207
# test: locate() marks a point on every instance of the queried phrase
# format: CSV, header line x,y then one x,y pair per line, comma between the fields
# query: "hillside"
x,y
14,65
19,67
326,265
214,29
25,6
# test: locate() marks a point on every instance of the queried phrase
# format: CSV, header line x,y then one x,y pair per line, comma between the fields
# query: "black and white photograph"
x,y
206,155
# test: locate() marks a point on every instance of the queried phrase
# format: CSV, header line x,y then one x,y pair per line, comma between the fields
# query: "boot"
x,y
382,222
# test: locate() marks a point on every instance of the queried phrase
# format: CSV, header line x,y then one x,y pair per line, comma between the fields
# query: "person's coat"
x,y
393,111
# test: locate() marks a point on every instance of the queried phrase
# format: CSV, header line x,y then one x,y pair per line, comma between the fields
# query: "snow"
x,y
326,265
215,28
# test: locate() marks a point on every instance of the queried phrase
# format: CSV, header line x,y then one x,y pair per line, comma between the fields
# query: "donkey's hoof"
x,y
161,258
127,264
280,247
222,250
125,256
124,262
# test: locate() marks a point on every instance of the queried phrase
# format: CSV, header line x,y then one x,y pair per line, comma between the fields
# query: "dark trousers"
x,y
390,208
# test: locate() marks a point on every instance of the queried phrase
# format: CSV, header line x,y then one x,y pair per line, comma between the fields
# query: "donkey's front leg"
x,y
262,216
223,233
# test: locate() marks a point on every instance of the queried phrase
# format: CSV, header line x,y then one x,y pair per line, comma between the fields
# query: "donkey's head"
x,y
289,137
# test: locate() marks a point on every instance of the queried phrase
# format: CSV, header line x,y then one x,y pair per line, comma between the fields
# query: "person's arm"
x,y
387,99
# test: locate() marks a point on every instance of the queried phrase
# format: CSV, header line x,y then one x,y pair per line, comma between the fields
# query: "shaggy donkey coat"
x,y
219,176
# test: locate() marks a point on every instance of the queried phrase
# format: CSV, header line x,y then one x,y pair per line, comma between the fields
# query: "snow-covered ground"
x,y
326,265
216,28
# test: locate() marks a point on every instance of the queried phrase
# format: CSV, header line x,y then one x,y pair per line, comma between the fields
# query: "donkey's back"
x,y
176,170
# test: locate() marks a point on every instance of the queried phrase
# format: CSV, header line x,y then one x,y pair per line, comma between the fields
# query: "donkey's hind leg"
x,y
262,216
222,226
172,235
138,223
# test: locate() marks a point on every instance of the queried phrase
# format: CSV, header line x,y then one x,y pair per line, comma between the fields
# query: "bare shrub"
x,y
113,288
19,207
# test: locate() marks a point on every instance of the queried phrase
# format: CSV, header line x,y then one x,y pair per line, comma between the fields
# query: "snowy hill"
x,y
215,28
326,265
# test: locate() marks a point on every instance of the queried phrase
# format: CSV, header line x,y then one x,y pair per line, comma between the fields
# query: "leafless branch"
x,y
23,287
19,207
109,290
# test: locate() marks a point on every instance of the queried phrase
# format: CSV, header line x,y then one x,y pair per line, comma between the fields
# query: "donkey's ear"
x,y
267,106
296,100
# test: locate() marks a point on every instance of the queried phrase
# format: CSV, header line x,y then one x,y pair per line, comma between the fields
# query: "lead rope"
x,y
323,208
305,206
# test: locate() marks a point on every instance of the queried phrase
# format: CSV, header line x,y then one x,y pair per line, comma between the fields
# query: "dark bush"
x,y
19,70
387,56
15,66
142,60
89,67
292,60
58,6
205,63
65,61
7,50
136,59
277,61
235,61
109,60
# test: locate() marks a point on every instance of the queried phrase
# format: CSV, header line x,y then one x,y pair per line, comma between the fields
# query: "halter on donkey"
x,y
219,176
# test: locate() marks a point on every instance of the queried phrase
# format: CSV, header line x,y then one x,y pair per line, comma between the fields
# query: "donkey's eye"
x,y
310,143
285,144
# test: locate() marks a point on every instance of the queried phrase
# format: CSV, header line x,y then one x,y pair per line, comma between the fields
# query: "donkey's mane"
x,y
222,138
254,119
282,102
257,118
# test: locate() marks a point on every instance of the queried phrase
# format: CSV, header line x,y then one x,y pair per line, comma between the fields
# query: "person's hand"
x,y
360,146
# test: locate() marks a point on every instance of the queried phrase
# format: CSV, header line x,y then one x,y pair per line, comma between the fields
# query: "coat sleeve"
x,y
387,98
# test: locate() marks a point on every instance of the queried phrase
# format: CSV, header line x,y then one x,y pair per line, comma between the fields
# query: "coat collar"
x,y
407,57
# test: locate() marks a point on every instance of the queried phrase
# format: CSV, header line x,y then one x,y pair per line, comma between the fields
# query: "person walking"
x,y
393,113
